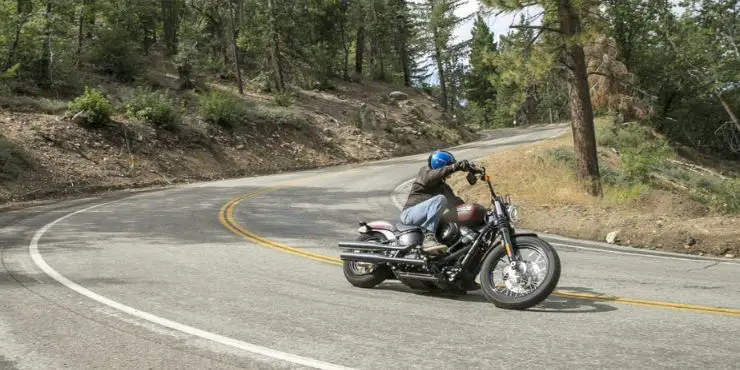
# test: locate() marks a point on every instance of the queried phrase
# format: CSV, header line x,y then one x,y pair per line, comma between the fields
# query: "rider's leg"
x,y
425,214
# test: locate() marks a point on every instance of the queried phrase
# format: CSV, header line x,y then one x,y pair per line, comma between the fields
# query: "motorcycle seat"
x,y
405,228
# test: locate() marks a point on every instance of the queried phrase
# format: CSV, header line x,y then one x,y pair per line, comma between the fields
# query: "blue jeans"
x,y
426,213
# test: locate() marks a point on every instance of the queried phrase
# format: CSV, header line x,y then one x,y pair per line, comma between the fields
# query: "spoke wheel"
x,y
522,284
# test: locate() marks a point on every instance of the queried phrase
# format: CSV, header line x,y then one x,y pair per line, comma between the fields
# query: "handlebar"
x,y
476,170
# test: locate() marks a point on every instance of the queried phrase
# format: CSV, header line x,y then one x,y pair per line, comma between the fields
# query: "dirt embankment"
x,y
642,216
45,155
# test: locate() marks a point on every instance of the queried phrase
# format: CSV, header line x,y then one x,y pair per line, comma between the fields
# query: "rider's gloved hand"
x,y
463,165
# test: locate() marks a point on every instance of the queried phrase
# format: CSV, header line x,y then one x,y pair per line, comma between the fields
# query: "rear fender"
x,y
383,227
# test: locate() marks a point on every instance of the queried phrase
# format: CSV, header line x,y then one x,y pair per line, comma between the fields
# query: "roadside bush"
x,y
221,109
640,161
156,108
721,195
283,99
641,153
562,154
93,107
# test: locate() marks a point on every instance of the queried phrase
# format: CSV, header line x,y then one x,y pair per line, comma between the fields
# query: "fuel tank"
x,y
471,214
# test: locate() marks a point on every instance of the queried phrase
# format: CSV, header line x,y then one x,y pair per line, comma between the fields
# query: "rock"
x,y
729,255
690,241
398,95
611,238
240,146
368,120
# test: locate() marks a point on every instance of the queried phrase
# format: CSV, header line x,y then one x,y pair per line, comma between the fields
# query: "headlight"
x,y
513,212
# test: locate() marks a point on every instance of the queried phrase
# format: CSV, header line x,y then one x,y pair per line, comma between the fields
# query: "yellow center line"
x,y
226,217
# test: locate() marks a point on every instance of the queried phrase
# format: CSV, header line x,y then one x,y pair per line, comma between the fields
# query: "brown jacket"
x,y
429,183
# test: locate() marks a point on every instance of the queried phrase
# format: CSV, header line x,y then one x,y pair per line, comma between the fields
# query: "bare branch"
x,y
523,26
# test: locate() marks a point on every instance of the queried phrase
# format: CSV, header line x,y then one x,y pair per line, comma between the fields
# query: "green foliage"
x,y
641,153
93,107
562,154
283,99
154,107
116,54
640,161
222,109
721,195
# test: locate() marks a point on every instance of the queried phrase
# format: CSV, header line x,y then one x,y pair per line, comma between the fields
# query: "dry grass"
x,y
521,171
552,200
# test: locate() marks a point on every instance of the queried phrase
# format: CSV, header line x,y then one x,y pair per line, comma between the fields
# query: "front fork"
x,y
511,250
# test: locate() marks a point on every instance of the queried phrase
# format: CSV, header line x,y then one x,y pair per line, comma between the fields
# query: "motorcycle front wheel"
x,y
525,285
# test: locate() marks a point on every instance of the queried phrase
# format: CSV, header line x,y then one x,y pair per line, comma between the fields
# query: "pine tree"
x,y
568,19
479,89
441,22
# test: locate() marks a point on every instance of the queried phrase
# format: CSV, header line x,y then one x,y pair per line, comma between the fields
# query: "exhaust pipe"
x,y
413,276
374,258
368,246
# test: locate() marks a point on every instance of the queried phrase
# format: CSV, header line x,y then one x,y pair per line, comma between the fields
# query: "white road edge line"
x,y
33,249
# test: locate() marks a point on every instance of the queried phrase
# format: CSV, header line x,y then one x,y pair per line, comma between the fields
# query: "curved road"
x,y
242,274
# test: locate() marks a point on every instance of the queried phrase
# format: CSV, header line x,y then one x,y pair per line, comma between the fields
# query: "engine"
x,y
455,236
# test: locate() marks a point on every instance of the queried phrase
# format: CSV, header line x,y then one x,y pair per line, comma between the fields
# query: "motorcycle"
x,y
473,240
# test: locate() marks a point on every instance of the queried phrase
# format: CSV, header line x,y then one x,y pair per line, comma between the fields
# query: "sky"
x,y
499,25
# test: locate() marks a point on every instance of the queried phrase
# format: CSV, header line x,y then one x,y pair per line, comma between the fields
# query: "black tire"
x,y
375,277
539,294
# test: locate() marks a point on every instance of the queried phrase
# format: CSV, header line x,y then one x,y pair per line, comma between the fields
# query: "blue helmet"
x,y
439,159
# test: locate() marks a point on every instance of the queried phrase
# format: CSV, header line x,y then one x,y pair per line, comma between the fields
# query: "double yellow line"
x,y
226,217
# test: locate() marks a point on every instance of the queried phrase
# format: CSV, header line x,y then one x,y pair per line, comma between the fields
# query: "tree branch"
x,y
631,85
523,26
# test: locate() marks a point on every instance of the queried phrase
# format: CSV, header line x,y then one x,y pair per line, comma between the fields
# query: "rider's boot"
x,y
431,246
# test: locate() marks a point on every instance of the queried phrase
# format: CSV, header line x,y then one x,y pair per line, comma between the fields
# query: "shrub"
x,y
562,154
644,158
95,109
221,109
283,99
721,195
156,108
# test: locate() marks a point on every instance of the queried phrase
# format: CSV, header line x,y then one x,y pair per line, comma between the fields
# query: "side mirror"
x,y
472,179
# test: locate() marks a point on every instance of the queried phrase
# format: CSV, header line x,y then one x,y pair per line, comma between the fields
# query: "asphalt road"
x,y
162,280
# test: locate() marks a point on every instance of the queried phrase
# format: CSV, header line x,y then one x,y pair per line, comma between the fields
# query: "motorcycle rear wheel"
x,y
366,279
539,294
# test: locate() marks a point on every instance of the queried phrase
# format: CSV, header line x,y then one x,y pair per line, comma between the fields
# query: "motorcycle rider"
x,y
430,195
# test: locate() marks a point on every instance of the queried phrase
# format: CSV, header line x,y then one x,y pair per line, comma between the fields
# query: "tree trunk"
x,y
169,24
729,110
236,51
24,8
47,55
581,110
275,49
359,49
441,72
403,42
81,32
345,47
